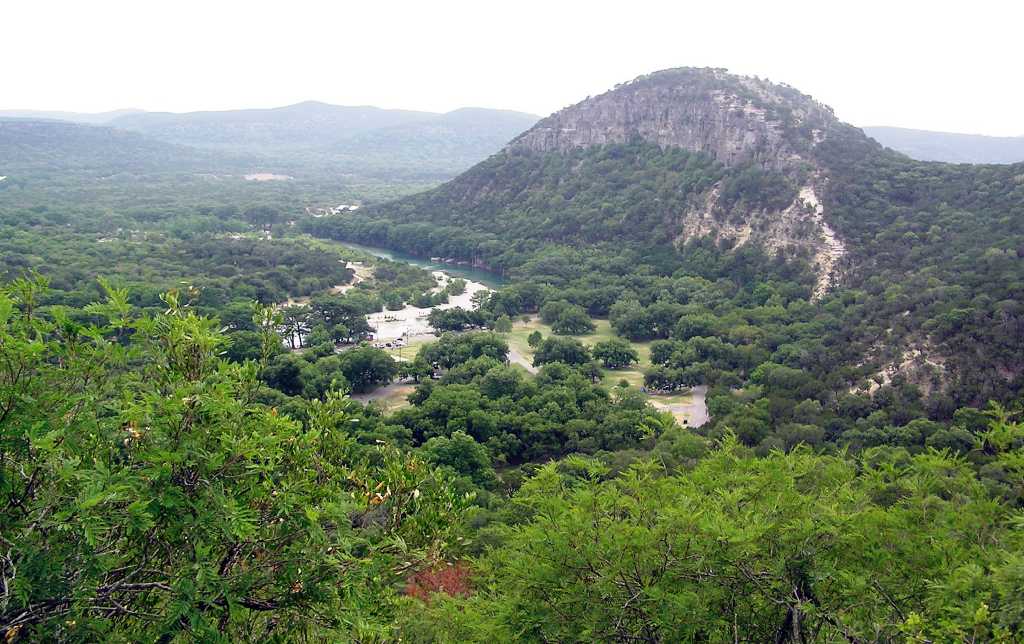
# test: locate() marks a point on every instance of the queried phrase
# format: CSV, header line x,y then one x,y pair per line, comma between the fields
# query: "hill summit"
x,y
689,172
666,159
735,120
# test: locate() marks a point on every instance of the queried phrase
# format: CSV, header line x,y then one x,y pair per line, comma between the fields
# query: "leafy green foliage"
x,y
366,367
149,495
615,353
565,350
793,547
566,318
454,349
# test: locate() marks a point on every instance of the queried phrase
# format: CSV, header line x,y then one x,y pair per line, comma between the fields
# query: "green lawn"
x,y
682,398
409,351
395,398
521,330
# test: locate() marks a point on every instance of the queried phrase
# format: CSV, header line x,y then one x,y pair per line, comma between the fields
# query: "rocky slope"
x,y
745,124
736,120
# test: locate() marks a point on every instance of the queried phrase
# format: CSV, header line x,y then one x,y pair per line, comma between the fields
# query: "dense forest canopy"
x,y
950,147
930,269
203,438
204,512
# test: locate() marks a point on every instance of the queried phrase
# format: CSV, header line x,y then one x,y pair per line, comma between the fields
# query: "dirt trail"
x,y
515,357
361,273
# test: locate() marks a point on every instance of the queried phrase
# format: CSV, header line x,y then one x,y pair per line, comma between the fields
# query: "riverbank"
x,y
410,321
689,409
490,279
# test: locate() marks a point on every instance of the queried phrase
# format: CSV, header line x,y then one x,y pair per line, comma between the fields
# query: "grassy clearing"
x,y
332,246
521,330
394,398
673,399
635,377
409,351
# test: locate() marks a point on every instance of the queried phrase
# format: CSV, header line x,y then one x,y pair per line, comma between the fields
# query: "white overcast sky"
x,y
953,66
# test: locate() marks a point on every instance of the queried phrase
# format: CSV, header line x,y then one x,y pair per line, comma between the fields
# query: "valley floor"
x,y
688,408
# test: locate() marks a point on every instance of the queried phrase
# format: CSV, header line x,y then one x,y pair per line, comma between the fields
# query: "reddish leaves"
x,y
451,579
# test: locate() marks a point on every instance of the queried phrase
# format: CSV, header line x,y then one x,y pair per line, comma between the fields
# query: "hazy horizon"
x,y
909,65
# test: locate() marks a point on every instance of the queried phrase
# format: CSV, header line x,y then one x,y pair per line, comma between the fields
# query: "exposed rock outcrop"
x,y
764,187
800,229
736,120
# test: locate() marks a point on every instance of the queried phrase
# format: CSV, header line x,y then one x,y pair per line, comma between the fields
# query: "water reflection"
x,y
487,278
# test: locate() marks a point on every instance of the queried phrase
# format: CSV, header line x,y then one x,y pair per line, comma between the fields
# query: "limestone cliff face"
x,y
736,120
769,134
798,230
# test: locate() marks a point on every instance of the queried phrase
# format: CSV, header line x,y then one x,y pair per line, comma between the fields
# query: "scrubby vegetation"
x,y
153,489
926,319
182,457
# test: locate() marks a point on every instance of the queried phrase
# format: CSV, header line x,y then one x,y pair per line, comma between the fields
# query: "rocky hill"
x,y
697,170
734,120
762,184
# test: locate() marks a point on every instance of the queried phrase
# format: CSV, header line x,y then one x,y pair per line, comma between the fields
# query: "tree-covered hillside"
x,y
306,142
39,147
315,137
923,258
950,147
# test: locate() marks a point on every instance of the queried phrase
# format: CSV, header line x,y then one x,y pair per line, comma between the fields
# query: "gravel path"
x,y
515,357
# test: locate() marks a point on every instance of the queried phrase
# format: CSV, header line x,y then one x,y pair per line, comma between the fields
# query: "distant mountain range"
x,y
924,145
45,147
308,138
303,125
686,164
92,118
